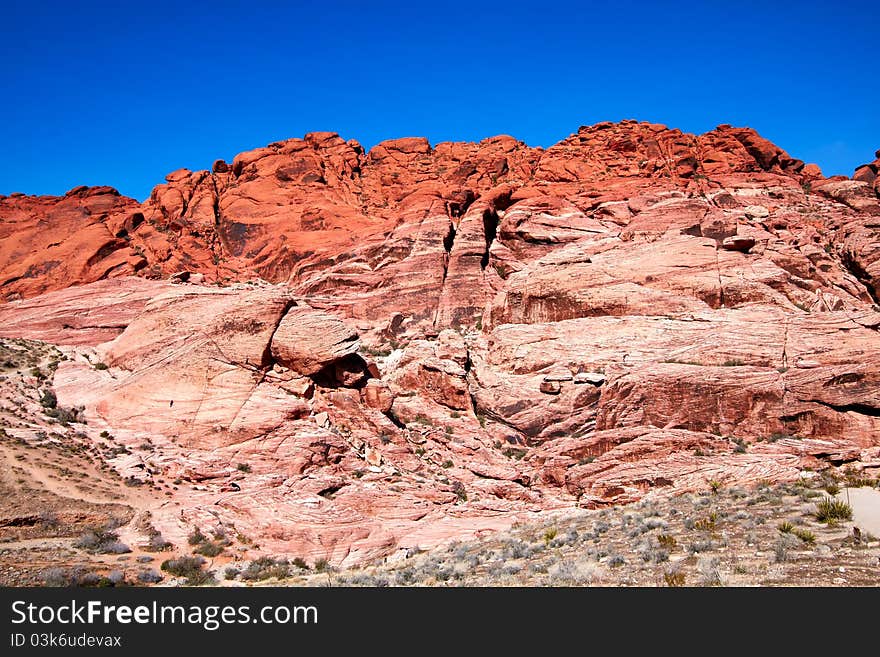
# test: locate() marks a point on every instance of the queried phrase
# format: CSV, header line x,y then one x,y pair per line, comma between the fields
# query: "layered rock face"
x,y
343,352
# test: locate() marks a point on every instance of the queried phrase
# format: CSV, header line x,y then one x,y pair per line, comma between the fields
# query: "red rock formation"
x,y
48,243
461,334
869,173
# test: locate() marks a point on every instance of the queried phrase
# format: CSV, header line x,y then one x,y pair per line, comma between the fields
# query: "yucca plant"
x,y
830,509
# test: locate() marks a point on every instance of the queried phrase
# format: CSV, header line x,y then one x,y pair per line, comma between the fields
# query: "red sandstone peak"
x,y
280,211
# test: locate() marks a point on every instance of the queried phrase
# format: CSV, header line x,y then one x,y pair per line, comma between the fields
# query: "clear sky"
x,y
120,93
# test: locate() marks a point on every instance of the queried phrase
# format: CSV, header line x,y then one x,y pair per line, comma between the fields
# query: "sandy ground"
x,y
866,507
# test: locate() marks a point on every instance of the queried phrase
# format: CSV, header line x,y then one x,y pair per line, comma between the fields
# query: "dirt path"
x,y
63,488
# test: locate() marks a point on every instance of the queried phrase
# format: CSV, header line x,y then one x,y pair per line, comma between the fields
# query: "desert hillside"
x,y
330,354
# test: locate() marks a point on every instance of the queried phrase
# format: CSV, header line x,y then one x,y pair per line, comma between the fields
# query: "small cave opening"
x,y
330,491
459,203
350,371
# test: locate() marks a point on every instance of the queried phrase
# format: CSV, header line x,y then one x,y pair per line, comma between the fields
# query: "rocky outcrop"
x,y
307,341
80,315
49,243
869,173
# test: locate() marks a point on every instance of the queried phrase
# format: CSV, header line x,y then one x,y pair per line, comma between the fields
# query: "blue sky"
x,y
106,93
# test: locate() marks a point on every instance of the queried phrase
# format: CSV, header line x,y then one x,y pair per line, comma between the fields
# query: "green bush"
x,y
48,400
190,568
182,566
830,509
667,541
196,537
832,488
209,549
266,568
805,535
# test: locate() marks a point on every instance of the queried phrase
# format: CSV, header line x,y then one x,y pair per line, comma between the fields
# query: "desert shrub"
x,y
674,578
78,576
48,400
243,467
549,535
857,479
569,538
567,573
157,543
515,453
460,491
320,565
116,577
512,569
616,561
808,494
516,549
190,568
65,416
404,577
101,366
116,547
49,519
707,523
182,566
785,527
265,568
149,576
196,537
655,523
666,541
701,546
653,555
783,545
93,580
805,535
209,549
101,541
830,509
708,569
56,577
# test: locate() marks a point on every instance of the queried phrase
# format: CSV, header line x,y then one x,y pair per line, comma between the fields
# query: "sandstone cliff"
x,y
419,342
